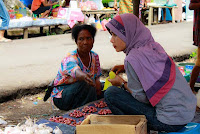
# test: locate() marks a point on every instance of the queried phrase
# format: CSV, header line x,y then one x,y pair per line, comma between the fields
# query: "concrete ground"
x,y
34,62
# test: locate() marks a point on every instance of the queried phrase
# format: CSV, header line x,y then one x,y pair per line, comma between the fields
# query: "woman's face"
x,y
84,41
118,44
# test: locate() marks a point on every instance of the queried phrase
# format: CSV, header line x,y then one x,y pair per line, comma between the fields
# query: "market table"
x,y
151,13
25,24
100,12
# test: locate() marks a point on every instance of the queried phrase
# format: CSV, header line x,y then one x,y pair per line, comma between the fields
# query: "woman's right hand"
x,y
118,69
80,75
87,79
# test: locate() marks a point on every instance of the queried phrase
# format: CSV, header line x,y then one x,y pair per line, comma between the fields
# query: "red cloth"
x,y
36,4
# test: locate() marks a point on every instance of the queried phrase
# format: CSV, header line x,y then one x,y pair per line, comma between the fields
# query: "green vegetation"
x,y
194,54
49,33
106,1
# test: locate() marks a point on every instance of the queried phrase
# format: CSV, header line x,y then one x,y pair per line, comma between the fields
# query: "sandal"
x,y
5,40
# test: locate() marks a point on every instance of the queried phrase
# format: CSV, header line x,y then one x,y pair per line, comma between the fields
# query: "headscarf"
x,y
154,68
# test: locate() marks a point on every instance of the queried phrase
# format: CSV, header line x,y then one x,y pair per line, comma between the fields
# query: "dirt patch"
x,y
15,111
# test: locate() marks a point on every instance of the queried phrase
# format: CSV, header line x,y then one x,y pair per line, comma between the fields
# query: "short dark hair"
x,y
77,28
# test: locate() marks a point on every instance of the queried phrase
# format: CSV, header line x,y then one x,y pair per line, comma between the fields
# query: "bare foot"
x,y
5,40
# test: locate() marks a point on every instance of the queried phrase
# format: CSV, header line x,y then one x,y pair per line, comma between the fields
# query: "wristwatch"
x,y
122,85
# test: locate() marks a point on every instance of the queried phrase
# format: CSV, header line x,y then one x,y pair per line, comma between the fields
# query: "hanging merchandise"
x,y
91,19
98,25
86,19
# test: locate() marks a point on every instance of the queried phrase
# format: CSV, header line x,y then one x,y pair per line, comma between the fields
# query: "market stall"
x,y
153,16
77,12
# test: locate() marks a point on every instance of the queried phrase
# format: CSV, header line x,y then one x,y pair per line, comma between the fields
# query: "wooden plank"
x,y
150,16
173,15
25,33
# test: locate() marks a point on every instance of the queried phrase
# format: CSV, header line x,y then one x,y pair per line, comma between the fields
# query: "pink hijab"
x,y
154,68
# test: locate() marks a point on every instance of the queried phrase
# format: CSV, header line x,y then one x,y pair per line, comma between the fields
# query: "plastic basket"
x,y
188,70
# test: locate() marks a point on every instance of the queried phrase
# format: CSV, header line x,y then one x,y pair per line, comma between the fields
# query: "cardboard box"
x,y
113,124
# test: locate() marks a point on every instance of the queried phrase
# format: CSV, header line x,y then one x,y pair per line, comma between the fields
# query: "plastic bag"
x,y
107,83
98,25
88,5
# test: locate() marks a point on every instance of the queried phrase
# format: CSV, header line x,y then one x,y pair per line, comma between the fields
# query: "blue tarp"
x,y
67,129
26,2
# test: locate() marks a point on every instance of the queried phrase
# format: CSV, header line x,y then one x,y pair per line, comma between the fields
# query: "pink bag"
x,y
62,13
74,17
88,5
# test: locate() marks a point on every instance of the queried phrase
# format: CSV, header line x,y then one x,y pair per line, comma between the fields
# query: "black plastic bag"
x,y
48,91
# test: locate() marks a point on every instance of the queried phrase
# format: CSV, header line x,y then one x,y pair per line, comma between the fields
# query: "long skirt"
x,y
75,95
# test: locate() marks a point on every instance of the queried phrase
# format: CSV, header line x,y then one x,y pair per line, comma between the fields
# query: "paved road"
x,y
28,63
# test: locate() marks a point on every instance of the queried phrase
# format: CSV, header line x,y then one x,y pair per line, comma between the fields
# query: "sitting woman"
x,y
78,79
41,6
155,87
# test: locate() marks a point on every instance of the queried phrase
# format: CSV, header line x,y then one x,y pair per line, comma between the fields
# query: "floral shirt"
x,y
196,27
69,65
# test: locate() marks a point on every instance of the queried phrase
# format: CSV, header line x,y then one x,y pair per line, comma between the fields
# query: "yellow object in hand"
x,y
108,83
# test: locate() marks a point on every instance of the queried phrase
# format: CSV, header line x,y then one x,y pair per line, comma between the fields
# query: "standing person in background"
x,y
41,6
195,5
4,16
67,3
178,11
126,6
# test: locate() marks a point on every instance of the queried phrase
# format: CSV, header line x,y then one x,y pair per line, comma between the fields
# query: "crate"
x,y
113,124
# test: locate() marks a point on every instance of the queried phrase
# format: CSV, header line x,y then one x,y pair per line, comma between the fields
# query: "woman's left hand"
x,y
117,81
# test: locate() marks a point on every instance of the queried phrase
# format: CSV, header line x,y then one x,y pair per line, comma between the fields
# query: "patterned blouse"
x,y
69,65
196,28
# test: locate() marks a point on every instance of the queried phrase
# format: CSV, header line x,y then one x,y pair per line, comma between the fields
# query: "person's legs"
x,y
44,10
75,95
122,102
2,33
195,71
5,21
45,14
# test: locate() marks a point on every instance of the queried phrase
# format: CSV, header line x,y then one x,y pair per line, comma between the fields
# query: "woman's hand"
x,y
80,75
89,80
117,81
118,69
98,86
